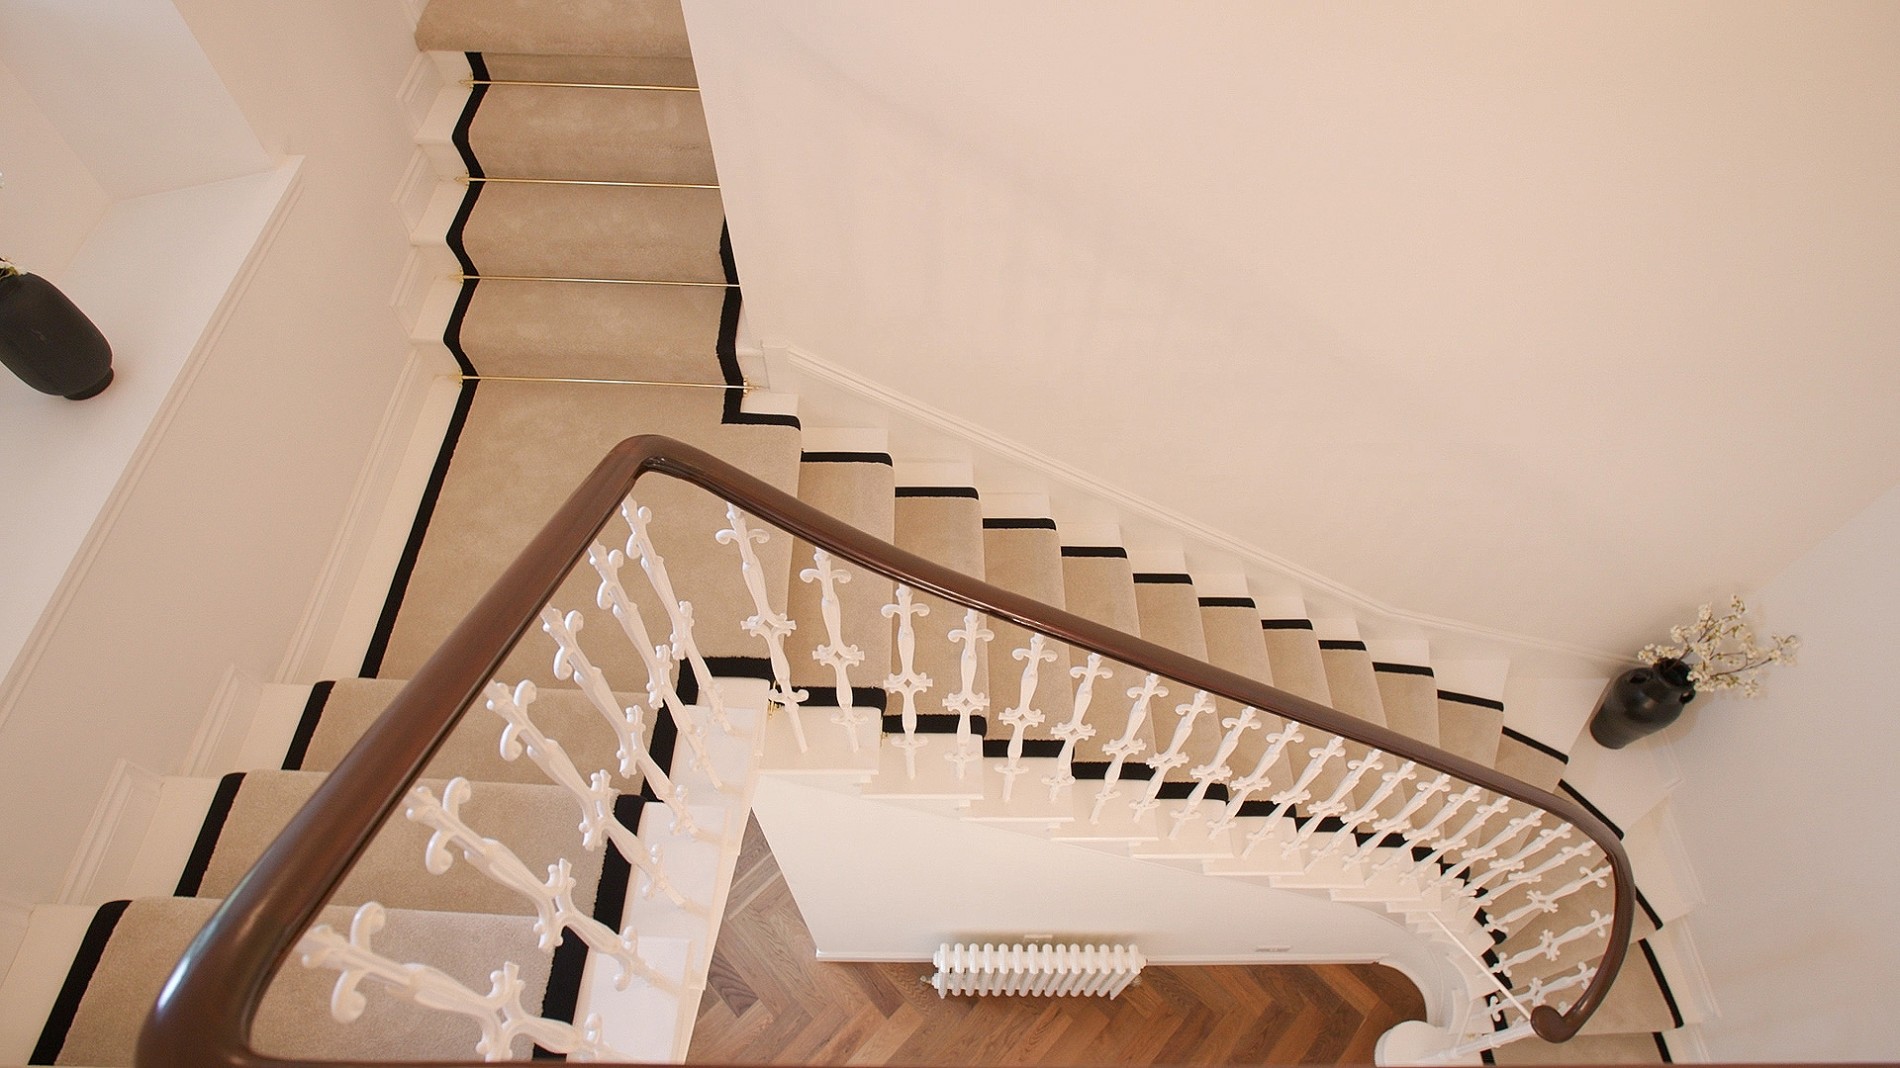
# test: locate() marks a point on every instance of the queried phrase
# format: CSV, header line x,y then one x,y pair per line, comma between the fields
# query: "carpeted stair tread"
x,y
576,330
523,449
294,1020
1234,642
539,823
1171,618
596,232
858,491
947,529
1409,700
473,750
1583,1049
1355,691
1100,586
1470,726
591,70
1026,556
1293,651
591,134
1638,1002
1523,758
555,27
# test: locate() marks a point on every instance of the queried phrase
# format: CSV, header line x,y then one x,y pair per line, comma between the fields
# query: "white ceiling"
x,y
1550,318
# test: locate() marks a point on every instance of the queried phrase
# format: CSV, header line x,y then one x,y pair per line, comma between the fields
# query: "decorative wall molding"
x,y
112,840
14,917
807,368
225,725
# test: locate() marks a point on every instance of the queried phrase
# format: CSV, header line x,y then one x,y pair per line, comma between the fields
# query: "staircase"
x,y
576,217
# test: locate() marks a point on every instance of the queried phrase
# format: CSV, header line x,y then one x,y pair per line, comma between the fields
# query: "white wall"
x,y
1788,809
877,881
50,201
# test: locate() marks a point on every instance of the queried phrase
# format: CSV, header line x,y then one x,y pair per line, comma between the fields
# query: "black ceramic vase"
x,y
49,342
1641,702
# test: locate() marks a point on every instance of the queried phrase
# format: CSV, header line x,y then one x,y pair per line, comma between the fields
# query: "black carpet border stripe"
x,y
1098,769
1662,1047
842,457
728,346
1655,969
932,723
1163,578
1655,918
1228,602
610,903
307,725
1524,739
1351,645
722,667
92,948
452,333
193,876
1032,747
1402,669
1467,699
1577,796
1105,552
1014,523
861,697
425,511
1286,624
937,491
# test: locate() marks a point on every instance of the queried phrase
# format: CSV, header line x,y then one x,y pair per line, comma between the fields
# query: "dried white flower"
x,y
1721,651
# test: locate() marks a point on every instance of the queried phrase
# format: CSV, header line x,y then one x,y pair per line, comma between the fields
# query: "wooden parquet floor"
x,y
769,1001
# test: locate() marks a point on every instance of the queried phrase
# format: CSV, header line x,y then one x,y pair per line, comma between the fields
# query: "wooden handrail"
x,y
204,1011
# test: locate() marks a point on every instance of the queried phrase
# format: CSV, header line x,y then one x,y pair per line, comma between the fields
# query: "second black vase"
x,y
1641,702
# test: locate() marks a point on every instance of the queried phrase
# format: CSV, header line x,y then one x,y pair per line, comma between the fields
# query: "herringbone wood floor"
x,y
768,1001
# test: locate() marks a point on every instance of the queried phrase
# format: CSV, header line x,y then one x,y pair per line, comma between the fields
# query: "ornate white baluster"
x,y
499,1013
1426,869
660,692
907,683
1400,820
595,796
834,653
1564,855
1255,780
628,723
680,613
1515,862
1431,831
1127,745
1547,902
553,901
1453,876
1538,991
1391,781
966,702
1548,944
1301,789
765,624
1215,770
1075,730
1336,804
1172,757
1021,716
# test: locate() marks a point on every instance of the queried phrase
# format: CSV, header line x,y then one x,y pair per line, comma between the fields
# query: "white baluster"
x,y
1432,829
1215,770
660,692
680,613
966,702
834,653
907,683
1336,804
1547,902
1515,862
1453,876
1020,717
1538,991
1256,780
765,624
1127,745
1172,757
1301,789
1548,944
553,901
1075,730
1428,867
499,1013
1400,821
1350,822
628,723
1564,855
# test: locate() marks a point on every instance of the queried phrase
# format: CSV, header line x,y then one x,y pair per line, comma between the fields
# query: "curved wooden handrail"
x,y
204,1011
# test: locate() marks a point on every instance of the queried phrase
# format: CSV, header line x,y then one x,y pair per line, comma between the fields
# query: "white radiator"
x,y
1035,970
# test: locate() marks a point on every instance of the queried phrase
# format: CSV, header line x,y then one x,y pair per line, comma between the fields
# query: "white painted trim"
x,y
39,968
419,89
414,190
279,712
806,365
843,439
225,724
110,846
1688,980
412,11
290,174
948,473
1687,1045
15,915
170,836
387,470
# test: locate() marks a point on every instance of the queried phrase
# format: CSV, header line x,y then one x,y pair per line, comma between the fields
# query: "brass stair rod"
x,y
467,179
472,82
746,387
603,281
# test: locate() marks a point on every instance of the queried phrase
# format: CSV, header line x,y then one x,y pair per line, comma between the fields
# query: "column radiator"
x,y
1034,970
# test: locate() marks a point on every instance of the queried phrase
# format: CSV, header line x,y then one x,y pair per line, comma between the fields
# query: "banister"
x,y
204,1011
